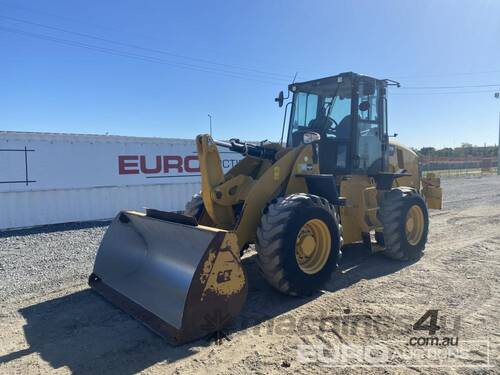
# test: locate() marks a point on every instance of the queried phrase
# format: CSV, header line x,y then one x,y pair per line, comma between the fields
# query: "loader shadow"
x,y
264,304
86,334
358,263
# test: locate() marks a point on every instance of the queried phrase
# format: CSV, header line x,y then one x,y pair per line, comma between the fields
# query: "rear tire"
x,y
405,219
287,224
194,207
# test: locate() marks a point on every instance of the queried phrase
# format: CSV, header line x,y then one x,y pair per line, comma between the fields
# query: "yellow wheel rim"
x,y
414,225
313,246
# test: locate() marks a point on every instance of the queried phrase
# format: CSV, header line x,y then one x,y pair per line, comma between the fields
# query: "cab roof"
x,y
299,86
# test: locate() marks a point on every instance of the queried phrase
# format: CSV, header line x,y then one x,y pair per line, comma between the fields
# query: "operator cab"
x,y
349,112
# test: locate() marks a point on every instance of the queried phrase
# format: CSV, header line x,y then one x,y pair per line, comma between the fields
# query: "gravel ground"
x,y
37,260
51,322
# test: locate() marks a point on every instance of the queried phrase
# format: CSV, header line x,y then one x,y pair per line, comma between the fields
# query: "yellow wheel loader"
x,y
338,180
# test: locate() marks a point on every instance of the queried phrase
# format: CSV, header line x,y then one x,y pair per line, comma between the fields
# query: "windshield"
x,y
325,109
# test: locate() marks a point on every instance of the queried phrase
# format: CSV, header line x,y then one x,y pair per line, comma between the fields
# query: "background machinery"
x,y
338,180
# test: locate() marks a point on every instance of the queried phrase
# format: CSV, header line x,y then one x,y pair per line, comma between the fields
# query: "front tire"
x,y
405,219
299,243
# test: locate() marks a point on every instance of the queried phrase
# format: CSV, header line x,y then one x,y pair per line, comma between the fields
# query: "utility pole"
x,y
210,116
497,96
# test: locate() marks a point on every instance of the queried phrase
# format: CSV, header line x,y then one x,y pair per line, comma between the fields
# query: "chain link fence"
x,y
459,166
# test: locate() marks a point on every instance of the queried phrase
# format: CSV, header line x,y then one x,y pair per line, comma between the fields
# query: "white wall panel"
x,y
56,178
24,209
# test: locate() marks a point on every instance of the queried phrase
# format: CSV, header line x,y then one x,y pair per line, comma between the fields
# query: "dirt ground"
x,y
51,322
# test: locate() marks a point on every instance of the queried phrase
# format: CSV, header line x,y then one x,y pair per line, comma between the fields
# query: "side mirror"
x,y
279,99
364,106
311,137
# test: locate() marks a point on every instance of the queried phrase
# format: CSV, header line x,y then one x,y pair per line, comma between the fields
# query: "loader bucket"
x,y
182,280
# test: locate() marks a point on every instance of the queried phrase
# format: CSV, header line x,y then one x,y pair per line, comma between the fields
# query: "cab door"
x,y
368,155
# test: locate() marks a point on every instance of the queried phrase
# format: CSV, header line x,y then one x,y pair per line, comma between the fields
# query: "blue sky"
x,y
230,58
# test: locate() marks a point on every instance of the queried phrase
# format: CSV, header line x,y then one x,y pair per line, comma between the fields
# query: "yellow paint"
x,y
233,190
296,183
222,272
361,205
414,225
429,186
432,191
313,246
263,191
212,176
276,173
207,266
256,182
409,162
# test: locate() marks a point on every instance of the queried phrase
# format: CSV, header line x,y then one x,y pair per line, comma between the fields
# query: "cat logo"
x,y
224,276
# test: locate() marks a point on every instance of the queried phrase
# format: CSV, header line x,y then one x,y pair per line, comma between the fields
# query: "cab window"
x,y
369,132
305,109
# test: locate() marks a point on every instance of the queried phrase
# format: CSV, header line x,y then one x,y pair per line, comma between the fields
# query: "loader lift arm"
x,y
222,192
262,175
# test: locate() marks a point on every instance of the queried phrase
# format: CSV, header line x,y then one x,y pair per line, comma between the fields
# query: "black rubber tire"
x,y
392,215
276,237
194,207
